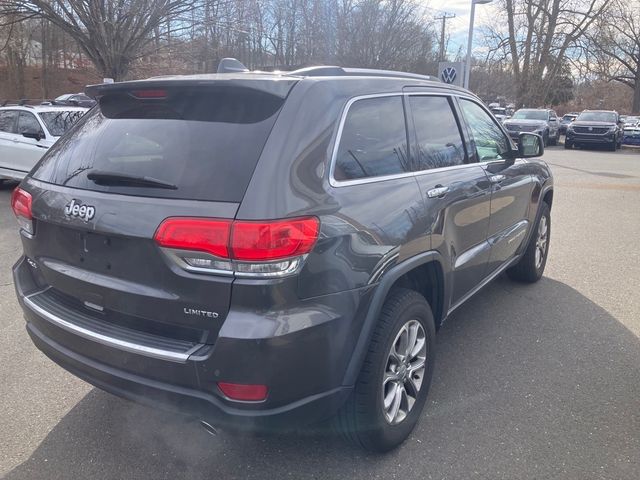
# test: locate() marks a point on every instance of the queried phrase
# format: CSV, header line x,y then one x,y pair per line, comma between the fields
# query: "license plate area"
x,y
98,252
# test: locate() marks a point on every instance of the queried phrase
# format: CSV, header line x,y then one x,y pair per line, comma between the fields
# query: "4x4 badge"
x,y
75,209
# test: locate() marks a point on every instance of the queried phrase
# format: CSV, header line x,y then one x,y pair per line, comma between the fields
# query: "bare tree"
x,y
112,33
538,37
614,47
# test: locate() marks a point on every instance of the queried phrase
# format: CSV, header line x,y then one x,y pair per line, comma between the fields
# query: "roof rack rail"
x,y
17,103
333,71
319,71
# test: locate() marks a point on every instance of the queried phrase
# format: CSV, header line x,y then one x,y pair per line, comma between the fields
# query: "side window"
x,y
27,123
8,121
490,142
437,132
373,141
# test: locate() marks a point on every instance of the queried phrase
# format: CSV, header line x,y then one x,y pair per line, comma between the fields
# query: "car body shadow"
x,y
530,382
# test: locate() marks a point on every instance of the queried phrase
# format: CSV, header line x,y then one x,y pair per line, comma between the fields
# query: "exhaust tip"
x,y
211,430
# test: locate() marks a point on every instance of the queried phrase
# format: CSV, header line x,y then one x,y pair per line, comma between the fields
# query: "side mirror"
x,y
530,145
37,136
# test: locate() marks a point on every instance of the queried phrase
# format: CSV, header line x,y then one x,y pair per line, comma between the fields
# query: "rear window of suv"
x,y
204,142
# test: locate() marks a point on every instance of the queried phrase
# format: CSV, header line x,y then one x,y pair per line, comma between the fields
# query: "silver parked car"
x,y
544,122
27,132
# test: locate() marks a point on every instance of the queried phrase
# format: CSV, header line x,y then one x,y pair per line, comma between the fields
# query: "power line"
x,y
444,17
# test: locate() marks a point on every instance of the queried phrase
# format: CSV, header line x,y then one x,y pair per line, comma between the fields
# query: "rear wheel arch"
x,y
548,197
408,274
428,280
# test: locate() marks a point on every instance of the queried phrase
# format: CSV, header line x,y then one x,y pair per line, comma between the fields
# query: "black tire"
x,y
362,419
545,138
528,270
554,141
568,145
614,145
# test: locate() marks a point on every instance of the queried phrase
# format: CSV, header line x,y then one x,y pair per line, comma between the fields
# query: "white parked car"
x,y
27,132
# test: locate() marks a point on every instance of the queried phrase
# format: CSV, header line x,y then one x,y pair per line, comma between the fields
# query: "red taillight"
x,y
239,240
251,241
199,234
21,203
245,393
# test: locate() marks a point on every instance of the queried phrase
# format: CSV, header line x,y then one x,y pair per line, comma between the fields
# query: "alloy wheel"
x,y
541,240
404,372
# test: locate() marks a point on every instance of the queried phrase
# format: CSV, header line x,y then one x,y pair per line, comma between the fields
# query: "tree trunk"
x,y
635,108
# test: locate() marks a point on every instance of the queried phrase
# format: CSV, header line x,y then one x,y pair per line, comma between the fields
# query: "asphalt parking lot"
x,y
537,381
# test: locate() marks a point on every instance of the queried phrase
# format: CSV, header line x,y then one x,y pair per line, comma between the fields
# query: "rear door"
x,y
456,191
511,184
9,156
193,152
29,150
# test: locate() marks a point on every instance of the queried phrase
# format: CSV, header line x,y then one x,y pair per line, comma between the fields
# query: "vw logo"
x,y
449,75
591,129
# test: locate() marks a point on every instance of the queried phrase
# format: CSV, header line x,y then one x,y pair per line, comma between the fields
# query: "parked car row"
x,y
587,128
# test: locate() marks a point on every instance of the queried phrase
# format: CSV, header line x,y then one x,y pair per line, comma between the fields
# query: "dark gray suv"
x,y
267,251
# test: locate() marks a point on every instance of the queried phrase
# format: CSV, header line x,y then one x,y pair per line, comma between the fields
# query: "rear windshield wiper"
x,y
125,180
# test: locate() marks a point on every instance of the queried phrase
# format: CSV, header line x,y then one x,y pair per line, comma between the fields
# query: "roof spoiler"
x,y
231,65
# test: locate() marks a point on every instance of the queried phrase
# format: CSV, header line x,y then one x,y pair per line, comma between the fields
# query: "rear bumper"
x,y
304,369
185,400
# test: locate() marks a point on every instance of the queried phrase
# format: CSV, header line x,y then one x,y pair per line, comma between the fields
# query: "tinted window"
x,y
206,142
27,123
608,117
490,142
531,115
8,120
373,141
439,139
59,122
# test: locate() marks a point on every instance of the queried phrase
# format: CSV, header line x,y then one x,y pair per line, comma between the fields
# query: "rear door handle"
x,y
497,178
438,191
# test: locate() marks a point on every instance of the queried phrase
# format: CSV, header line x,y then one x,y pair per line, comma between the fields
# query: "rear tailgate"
x,y
173,151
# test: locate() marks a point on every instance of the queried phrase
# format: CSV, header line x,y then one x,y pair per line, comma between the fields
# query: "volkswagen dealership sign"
x,y
451,72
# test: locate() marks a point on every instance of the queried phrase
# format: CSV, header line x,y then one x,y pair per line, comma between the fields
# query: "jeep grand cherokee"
x,y
271,250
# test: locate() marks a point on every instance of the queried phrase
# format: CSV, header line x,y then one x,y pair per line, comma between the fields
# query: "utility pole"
x,y
445,16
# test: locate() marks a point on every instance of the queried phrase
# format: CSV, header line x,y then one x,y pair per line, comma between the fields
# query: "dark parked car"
x,y
595,127
266,251
566,120
544,122
75,99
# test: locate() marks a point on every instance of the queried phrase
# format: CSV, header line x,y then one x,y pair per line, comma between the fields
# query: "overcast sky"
x,y
458,27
